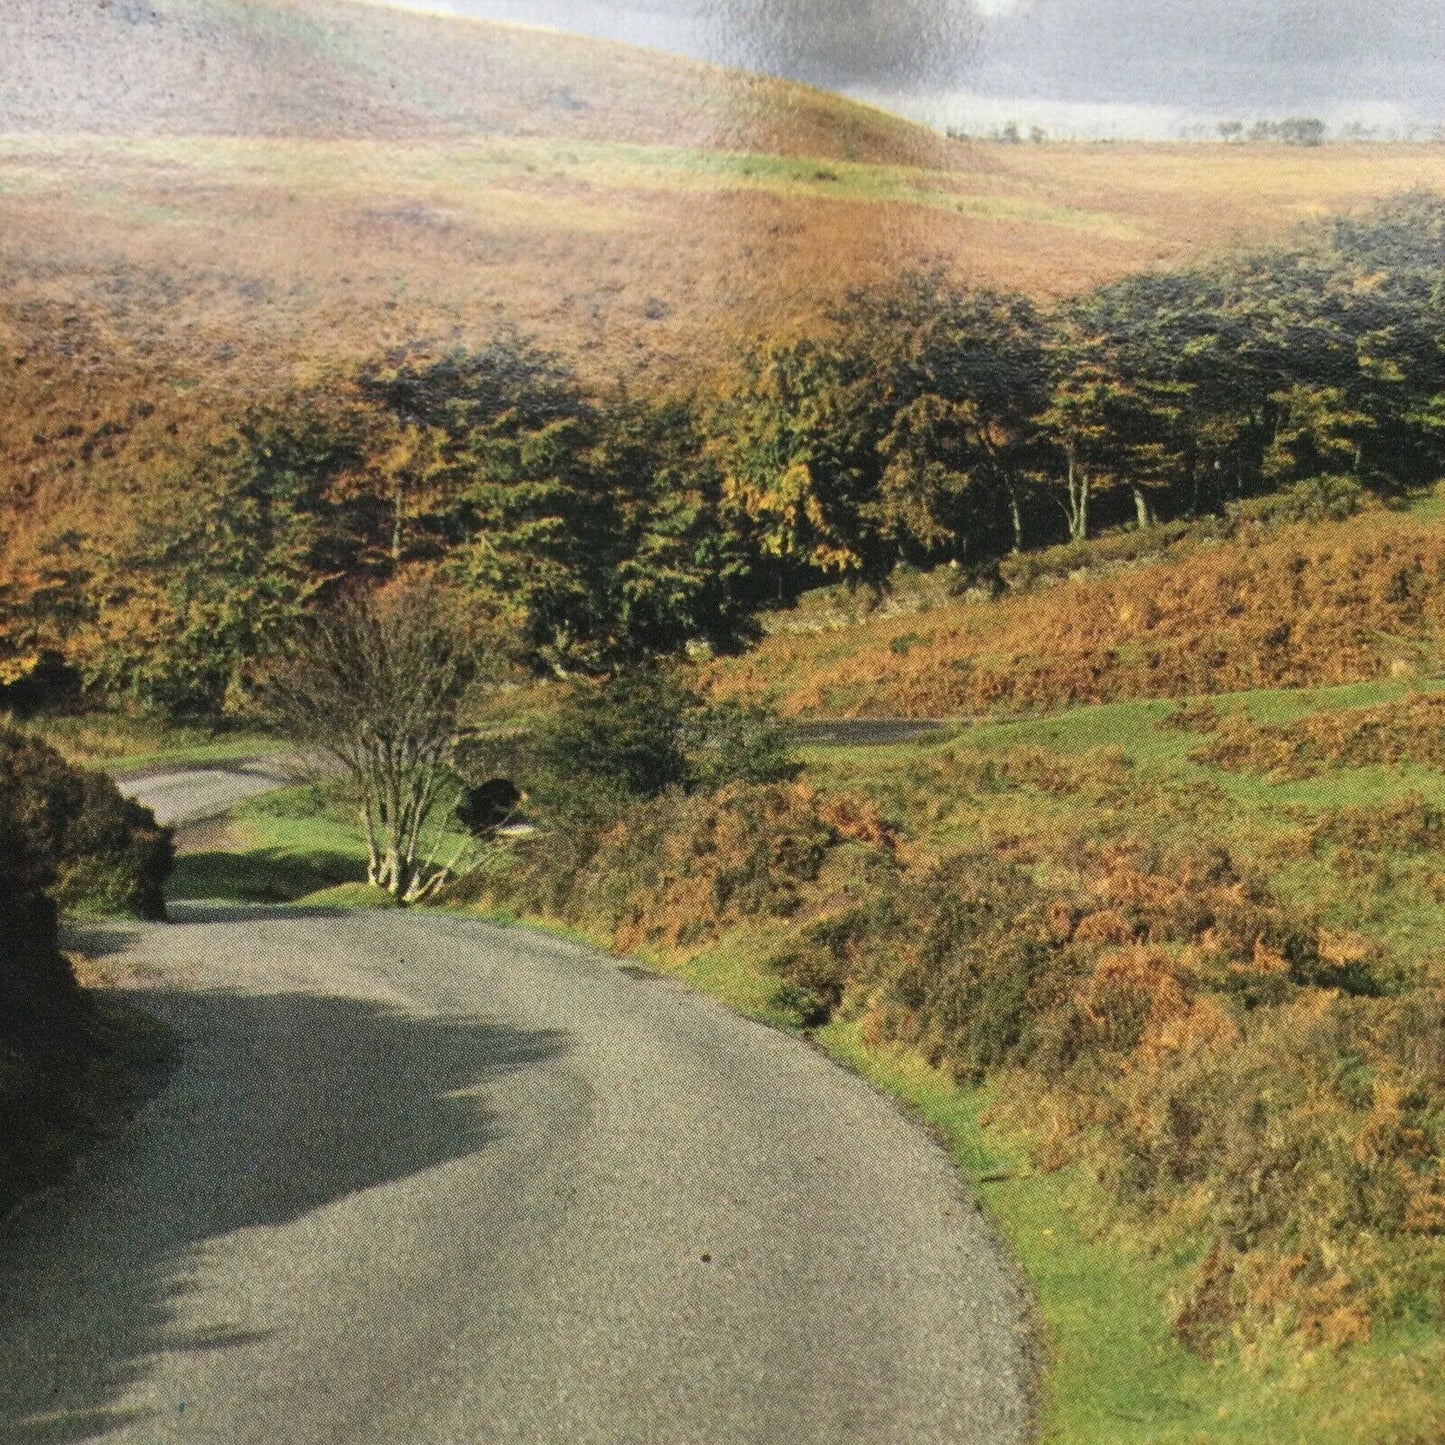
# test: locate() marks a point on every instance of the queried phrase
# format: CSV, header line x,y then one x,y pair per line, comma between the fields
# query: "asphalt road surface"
x,y
193,795
417,1179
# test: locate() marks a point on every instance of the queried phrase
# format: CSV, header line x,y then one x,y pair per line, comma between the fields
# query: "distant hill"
x,y
202,201
343,69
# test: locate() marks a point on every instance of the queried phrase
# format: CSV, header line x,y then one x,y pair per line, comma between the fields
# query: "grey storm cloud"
x,y
1262,54
842,42
828,42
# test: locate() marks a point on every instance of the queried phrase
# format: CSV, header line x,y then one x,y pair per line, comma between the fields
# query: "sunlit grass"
x,y
485,178
121,743
296,845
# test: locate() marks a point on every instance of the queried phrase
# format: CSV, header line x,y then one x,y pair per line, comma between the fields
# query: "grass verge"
x,y
298,845
286,847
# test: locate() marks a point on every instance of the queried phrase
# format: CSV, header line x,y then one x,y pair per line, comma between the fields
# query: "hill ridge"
x,y
355,69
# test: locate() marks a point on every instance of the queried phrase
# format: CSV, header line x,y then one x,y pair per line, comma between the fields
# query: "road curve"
x,y
416,1179
183,795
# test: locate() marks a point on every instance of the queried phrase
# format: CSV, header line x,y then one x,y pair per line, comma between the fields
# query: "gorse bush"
x,y
1315,499
86,844
734,743
673,869
1101,554
610,743
639,735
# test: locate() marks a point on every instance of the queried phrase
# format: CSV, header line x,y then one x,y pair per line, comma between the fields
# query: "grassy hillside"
x,y
1307,606
345,68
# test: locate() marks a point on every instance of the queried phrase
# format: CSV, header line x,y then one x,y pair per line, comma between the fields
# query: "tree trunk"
x,y
1144,508
1078,501
398,521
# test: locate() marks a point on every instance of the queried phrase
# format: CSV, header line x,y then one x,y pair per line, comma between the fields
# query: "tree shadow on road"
x,y
270,875
286,1103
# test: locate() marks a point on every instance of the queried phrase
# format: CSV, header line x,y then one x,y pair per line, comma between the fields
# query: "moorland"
x,y
1120,462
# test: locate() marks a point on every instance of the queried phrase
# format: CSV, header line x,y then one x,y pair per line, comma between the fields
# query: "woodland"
x,y
924,425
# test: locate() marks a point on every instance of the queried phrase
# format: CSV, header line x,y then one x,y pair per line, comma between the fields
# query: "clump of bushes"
x,y
1231,1072
1409,731
639,735
67,839
1328,498
615,768
676,869
96,849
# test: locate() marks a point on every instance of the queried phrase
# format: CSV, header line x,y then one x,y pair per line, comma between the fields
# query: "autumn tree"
x,y
798,442
216,561
425,416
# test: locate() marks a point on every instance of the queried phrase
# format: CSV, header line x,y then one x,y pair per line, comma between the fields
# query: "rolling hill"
x,y
202,201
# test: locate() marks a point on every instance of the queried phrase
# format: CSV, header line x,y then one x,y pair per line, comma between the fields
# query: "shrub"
x,y
671,870
1023,570
1331,498
1409,731
733,743
972,950
86,844
610,743
639,734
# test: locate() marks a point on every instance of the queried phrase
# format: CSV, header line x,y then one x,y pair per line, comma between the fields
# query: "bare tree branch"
x,y
374,684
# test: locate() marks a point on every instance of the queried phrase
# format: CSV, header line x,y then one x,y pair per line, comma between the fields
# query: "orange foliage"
x,y
1304,607
1411,731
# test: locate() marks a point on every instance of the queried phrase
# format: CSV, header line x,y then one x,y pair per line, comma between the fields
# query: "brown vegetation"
x,y
1304,607
1411,731
1247,1084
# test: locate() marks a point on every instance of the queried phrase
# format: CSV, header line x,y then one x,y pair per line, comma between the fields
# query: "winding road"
x,y
417,1179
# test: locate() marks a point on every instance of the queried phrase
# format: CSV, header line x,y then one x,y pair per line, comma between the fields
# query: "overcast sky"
x,y
1088,66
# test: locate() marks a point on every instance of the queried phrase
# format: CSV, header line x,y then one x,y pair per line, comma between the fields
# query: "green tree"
x,y
1111,432
605,536
217,561
964,373
798,439
425,414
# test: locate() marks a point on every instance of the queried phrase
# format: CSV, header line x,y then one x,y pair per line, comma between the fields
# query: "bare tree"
x,y
373,684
